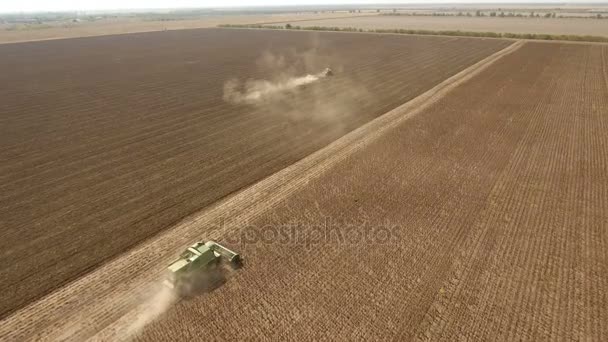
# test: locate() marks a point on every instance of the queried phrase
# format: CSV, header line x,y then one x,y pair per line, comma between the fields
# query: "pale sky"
x,y
61,5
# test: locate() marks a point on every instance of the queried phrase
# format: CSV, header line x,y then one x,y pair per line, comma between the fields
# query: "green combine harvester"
x,y
196,260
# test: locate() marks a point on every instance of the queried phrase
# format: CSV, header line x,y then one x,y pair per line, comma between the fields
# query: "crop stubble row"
x,y
496,197
112,139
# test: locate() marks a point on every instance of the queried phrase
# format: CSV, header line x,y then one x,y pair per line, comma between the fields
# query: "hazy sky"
x,y
58,5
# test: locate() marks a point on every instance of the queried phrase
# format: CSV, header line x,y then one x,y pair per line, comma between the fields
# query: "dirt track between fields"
x,y
100,302
115,138
494,199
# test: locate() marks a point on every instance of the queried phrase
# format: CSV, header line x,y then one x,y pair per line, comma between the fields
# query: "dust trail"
x,y
151,309
308,93
159,300
258,90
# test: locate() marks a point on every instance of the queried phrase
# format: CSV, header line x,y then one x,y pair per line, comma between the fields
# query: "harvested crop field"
x,y
483,217
124,25
556,26
107,141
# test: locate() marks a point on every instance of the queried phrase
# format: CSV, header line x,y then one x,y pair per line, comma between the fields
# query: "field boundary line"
x,y
99,304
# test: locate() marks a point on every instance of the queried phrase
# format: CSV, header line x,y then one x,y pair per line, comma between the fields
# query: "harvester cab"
x,y
198,259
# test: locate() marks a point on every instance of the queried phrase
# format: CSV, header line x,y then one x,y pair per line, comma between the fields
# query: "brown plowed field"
x,y
106,141
493,207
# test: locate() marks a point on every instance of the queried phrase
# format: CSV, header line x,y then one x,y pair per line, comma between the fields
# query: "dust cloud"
x,y
157,298
158,302
293,85
259,90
